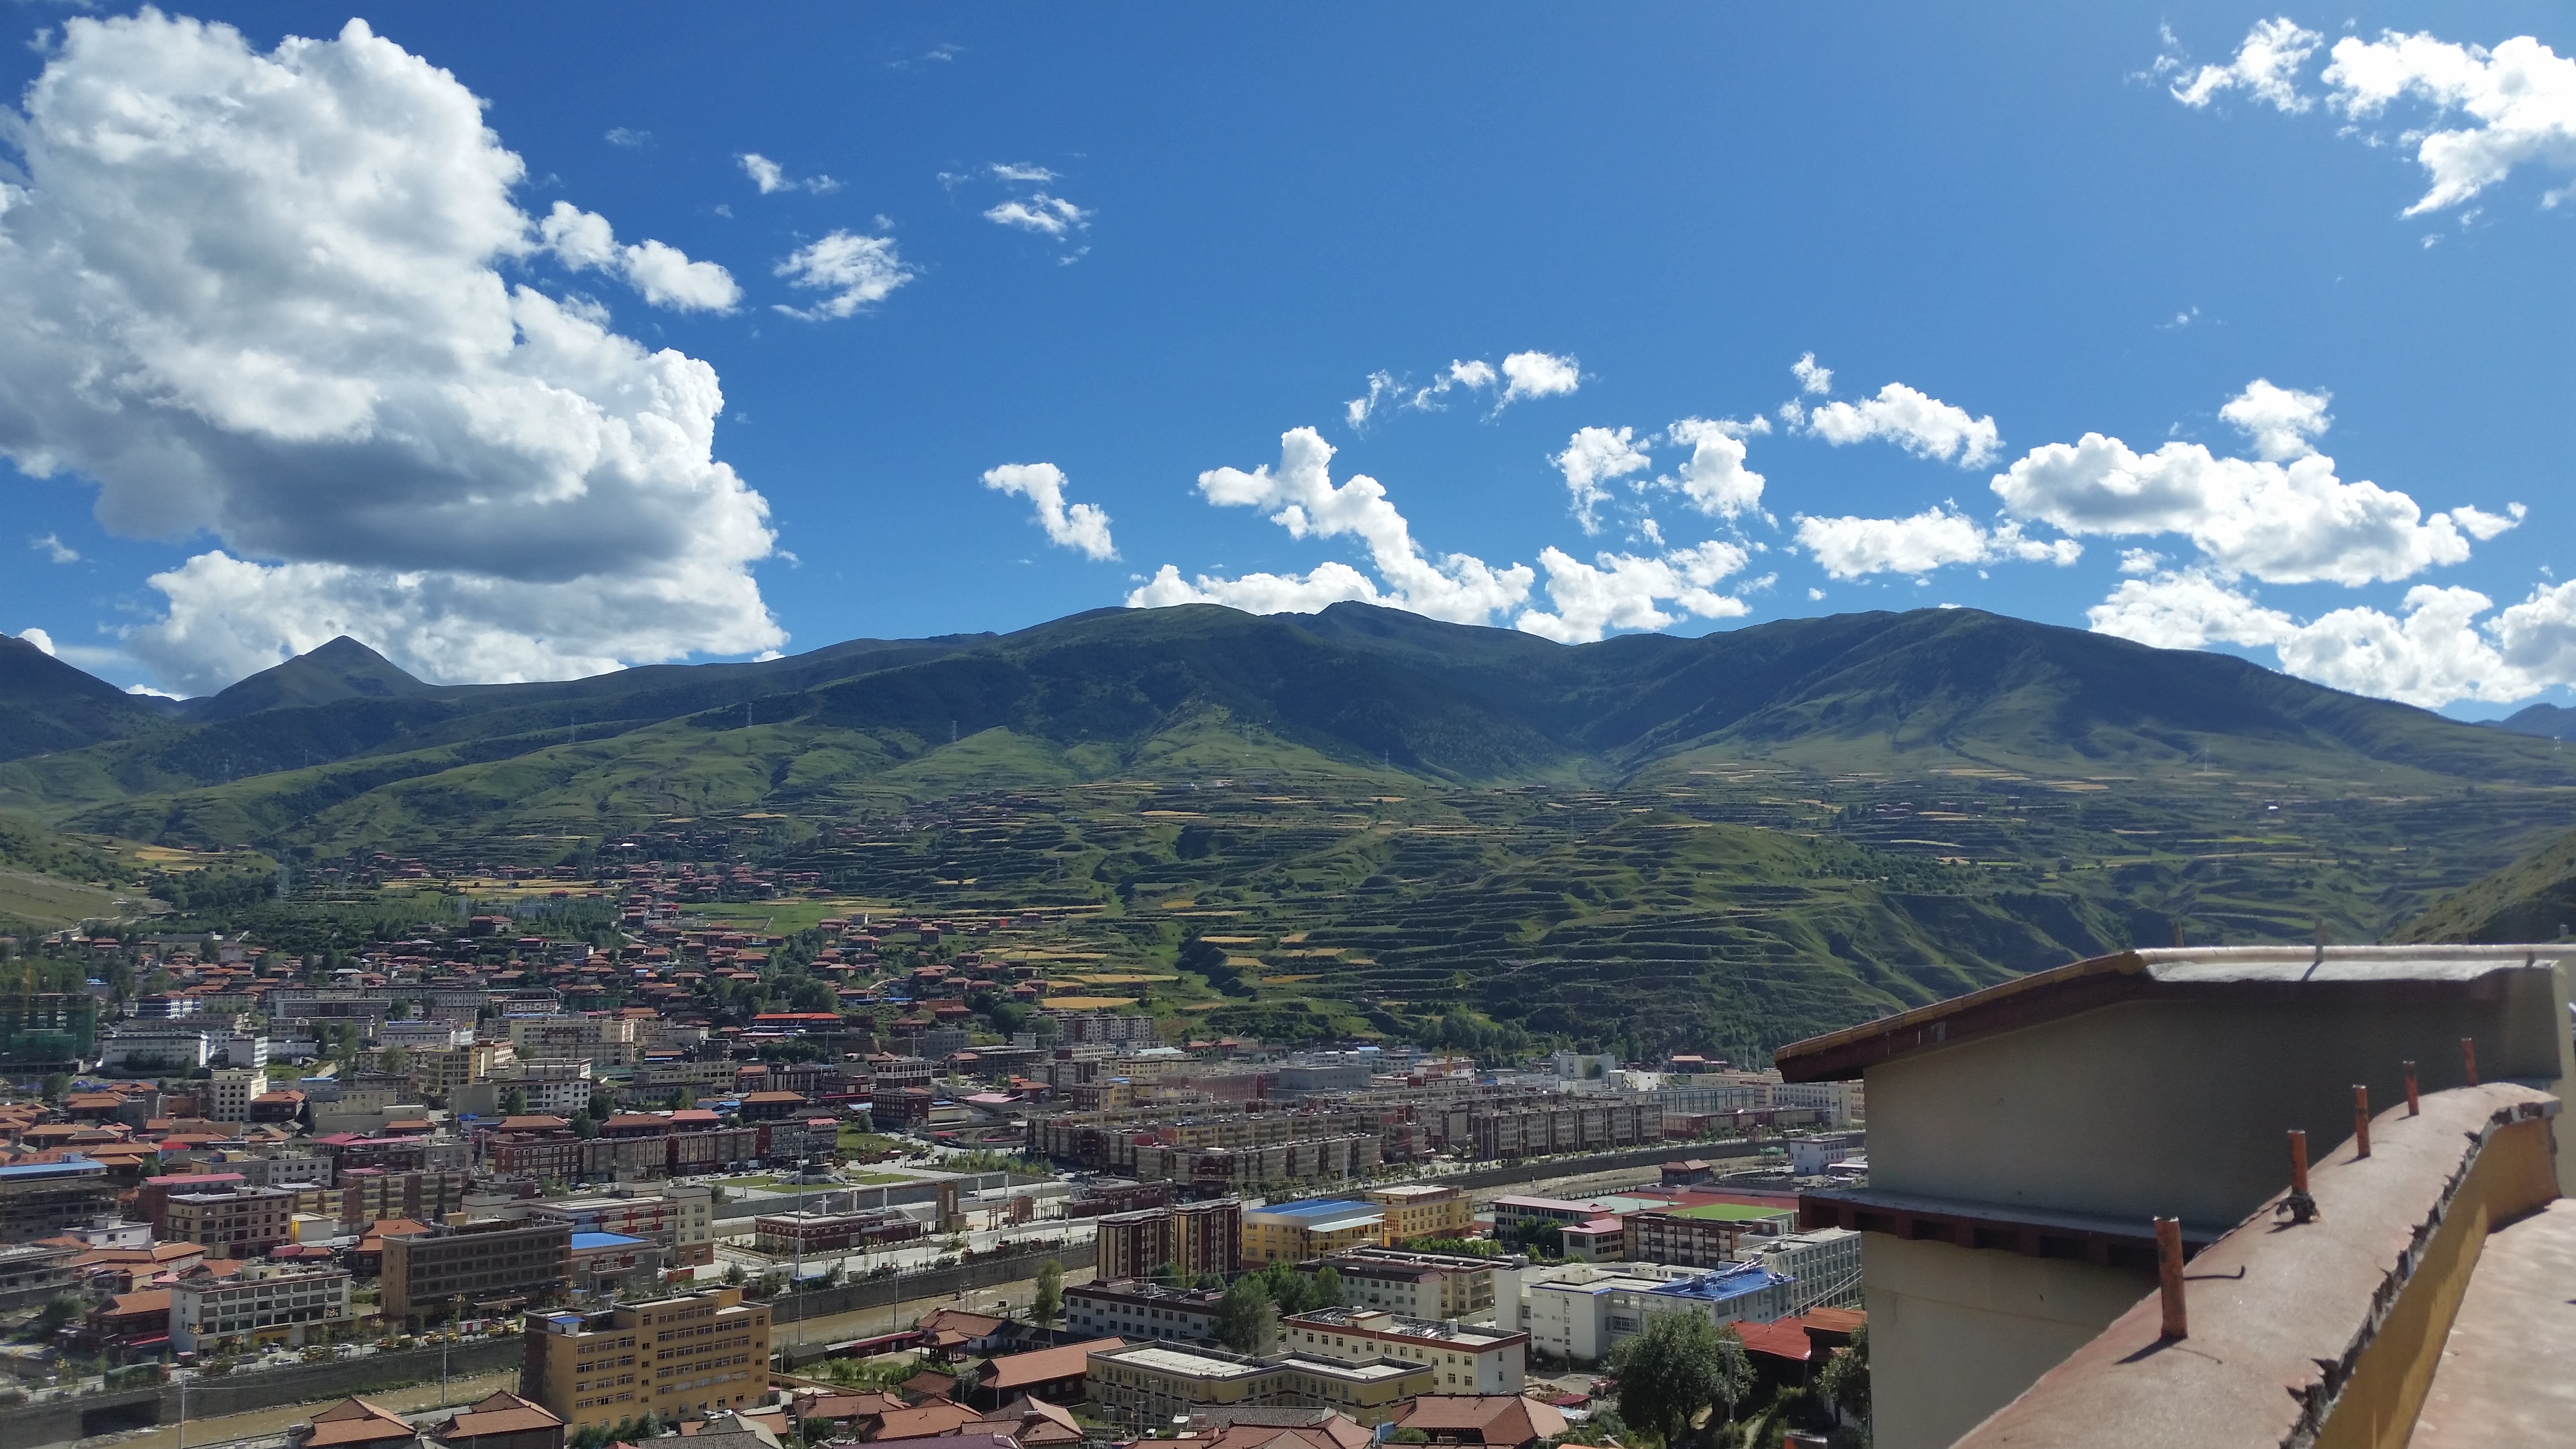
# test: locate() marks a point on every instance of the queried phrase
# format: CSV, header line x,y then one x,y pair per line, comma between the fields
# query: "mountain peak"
x,y
341,669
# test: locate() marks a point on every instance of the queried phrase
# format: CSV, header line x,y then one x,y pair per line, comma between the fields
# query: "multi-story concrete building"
x,y
681,1217
600,1041
160,1044
1423,1210
789,1234
1198,1237
1464,1359
1825,1262
40,1199
1080,1028
1150,1383
1579,1124
229,1093
374,1194
263,1303
1444,1287
1135,1310
275,1169
1700,1237
243,1223
492,1266
1580,1312
604,1263
1291,1232
1219,1151
698,1353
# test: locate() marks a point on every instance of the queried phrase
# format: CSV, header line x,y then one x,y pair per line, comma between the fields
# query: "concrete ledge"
x,y
2327,1333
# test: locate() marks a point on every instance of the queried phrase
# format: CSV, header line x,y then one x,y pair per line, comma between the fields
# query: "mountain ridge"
x,y
1353,688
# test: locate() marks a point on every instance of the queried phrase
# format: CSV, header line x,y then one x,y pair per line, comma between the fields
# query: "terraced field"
x,y
1725,910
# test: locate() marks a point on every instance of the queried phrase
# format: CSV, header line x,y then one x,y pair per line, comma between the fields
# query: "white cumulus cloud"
x,y
1812,378
1326,584
2281,423
2538,635
2282,522
2436,651
1081,527
2520,98
43,641
1038,212
1715,479
857,270
318,359
770,177
54,549
2266,67
1625,591
664,274
1538,374
1922,425
1592,457
1851,548
1300,496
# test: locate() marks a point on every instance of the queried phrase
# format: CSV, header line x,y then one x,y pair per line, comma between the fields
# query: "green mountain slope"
x,y
47,705
2533,899
1354,691
341,669
2548,721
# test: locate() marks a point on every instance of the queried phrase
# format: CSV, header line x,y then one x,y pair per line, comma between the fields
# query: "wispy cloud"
x,y
632,140
940,54
1522,375
857,270
54,548
1046,215
770,177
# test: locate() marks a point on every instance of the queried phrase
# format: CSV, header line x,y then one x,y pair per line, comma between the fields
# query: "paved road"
x,y
258,1422
868,1322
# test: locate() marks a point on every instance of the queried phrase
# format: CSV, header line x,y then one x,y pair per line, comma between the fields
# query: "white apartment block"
x,y
1824,1261
267,1303
1463,1360
230,1093
1579,1311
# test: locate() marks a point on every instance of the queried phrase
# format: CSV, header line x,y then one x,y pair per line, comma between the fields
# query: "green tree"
x,y
1169,1274
60,1309
583,1127
1680,1365
1844,1386
1327,1291
514,1102
1246,1319
1050,1295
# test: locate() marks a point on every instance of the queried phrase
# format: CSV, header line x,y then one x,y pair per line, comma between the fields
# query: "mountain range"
x,y
304,749
1403,826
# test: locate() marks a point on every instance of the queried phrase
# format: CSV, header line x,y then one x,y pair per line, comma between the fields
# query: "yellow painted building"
x,y
699,1353
1292,1232
1421,1210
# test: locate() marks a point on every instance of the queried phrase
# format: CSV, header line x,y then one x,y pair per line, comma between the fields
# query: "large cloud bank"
x,y
280,299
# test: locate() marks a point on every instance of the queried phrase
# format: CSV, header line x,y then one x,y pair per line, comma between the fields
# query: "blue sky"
x,y
1141,246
